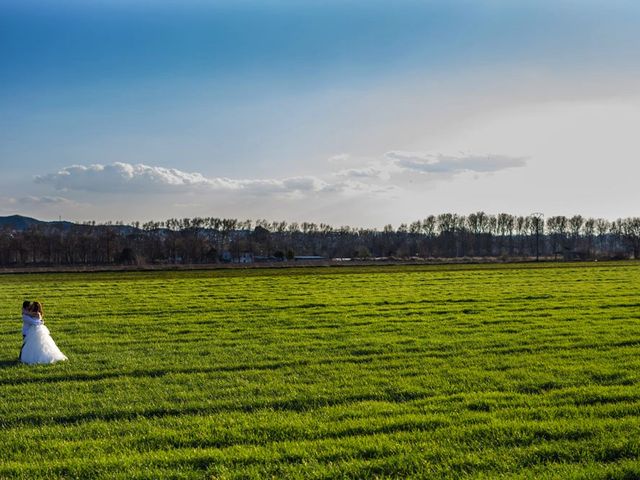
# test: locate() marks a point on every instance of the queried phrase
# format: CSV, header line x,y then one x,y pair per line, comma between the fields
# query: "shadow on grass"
x,y
283,405
152,373
9,363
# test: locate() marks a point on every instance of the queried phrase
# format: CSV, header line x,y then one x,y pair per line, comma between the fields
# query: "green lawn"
x,y
375,372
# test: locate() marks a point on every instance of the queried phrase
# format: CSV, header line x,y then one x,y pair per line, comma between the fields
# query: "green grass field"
x,y
377,372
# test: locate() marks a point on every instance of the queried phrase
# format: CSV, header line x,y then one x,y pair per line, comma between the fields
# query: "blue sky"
x,y
345,112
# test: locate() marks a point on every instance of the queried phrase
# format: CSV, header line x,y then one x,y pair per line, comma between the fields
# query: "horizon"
x,y
255,222
345,113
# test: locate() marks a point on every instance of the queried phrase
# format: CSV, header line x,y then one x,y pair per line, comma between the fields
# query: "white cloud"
x,y
355,188
38,201
339,158
364,172
398,169
124,177
44,200
438,163
120,177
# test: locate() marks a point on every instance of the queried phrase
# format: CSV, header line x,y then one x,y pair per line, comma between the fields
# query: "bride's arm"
x,y
28,319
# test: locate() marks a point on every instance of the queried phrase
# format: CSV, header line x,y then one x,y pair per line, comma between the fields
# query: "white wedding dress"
x,y
39,347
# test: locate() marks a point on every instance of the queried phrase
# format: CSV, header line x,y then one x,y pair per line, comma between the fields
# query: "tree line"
x,y
204,240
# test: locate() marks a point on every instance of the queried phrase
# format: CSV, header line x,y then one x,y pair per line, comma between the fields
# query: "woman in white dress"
x,y
39,347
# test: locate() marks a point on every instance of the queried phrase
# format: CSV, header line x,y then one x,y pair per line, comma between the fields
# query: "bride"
x,y
39,347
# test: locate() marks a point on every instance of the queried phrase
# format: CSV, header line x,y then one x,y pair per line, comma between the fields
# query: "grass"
x,y
378,372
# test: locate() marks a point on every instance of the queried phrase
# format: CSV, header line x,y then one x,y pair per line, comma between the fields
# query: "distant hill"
x,y
19,222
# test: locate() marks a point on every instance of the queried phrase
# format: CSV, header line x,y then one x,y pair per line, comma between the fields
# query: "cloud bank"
x,y
437,163
44,200
361,173
124,177
394,174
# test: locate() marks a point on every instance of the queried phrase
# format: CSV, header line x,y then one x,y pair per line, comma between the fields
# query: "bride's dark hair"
x,y
36,307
